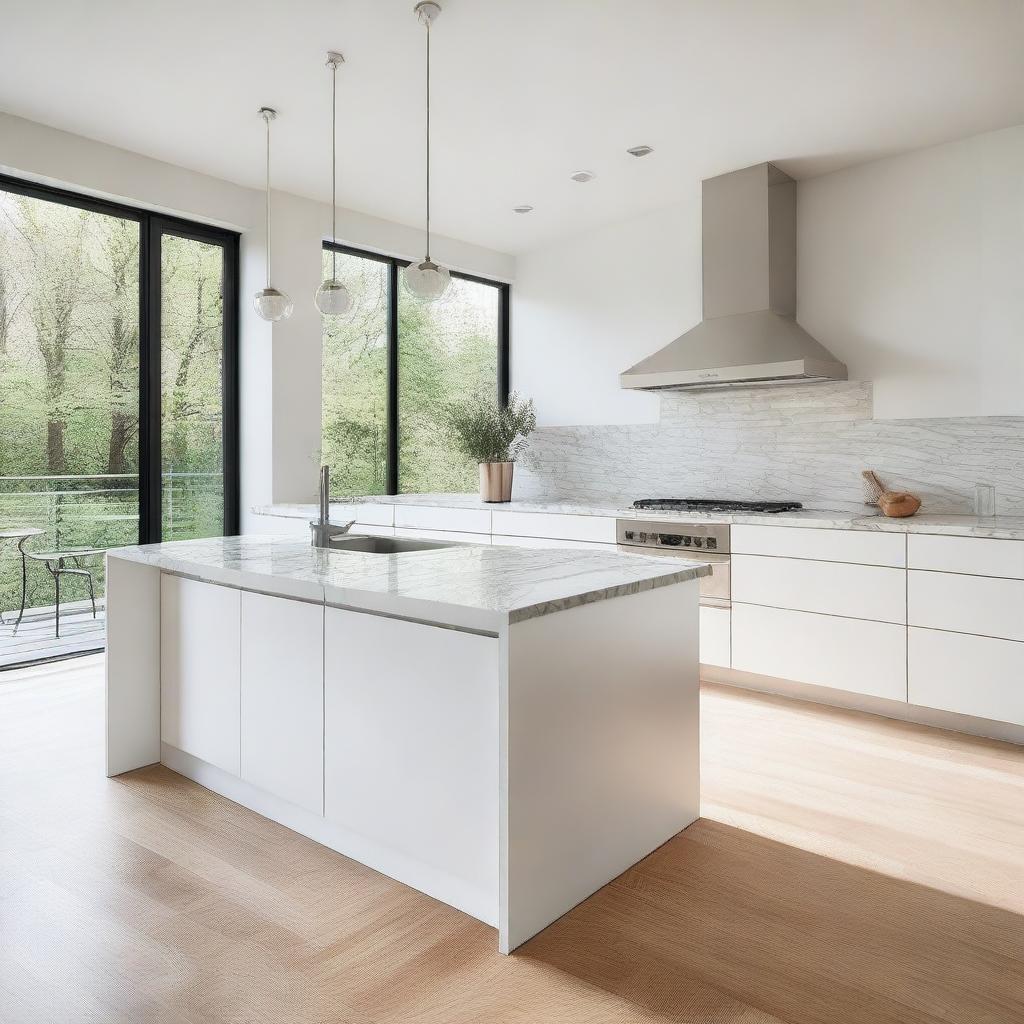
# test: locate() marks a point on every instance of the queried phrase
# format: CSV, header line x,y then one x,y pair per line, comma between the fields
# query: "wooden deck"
x,y
35,640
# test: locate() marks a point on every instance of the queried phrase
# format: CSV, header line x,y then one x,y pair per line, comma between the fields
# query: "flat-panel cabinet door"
x,y
200,670
282,698
411,742
971,675
824,650
715,640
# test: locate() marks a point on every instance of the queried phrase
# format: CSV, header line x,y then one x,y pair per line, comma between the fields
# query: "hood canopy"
x,y
749,334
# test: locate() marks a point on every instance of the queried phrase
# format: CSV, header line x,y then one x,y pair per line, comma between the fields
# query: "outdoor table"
x,y
55,560
20,534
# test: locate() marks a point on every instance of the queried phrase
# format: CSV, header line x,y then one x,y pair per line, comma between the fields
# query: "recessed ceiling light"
x,y
640,150
522,208
583,176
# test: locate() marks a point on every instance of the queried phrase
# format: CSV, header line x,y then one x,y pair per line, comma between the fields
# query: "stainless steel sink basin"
x,y
383,545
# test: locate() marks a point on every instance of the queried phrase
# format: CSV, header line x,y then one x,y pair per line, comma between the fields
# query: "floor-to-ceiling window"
x,y
393,367
118,397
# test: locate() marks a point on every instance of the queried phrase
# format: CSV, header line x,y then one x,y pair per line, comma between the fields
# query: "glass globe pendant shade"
x,y
271,304
426,280
332,298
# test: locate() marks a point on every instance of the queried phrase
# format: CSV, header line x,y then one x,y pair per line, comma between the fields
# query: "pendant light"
x,y
332,297
425,279
268,302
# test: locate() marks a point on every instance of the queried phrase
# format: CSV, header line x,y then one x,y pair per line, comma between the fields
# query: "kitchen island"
x,y
505,729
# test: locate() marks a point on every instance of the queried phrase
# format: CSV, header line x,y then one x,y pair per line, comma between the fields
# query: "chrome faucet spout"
x,y
321,529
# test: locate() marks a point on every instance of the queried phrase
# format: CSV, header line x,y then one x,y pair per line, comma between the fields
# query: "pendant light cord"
x,y
266,121
334,168
428,140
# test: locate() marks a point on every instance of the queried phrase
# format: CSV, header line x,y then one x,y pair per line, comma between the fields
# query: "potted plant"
x,y
494,437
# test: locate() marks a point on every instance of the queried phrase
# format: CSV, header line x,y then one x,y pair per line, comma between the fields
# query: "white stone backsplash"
x,y
807,442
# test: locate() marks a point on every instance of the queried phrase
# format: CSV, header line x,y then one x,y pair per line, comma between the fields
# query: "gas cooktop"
x,y
715,505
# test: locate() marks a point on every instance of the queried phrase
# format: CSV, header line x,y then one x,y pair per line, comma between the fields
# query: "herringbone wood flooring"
x,y
847,869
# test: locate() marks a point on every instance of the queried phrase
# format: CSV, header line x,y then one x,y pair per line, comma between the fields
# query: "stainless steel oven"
x,y
697,542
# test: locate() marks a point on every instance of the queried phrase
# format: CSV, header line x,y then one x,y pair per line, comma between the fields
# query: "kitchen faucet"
x,y
321,529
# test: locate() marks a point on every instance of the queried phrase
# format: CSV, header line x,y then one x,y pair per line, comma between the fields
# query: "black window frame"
x,y
394,265
152,227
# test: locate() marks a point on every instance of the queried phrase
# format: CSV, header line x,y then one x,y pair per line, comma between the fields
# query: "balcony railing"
x,y
95,511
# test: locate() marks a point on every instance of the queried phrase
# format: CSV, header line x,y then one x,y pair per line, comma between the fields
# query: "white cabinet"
x,y
715,641
831,588
458,520
966,604
282,719
452,535
857,546
410,751
971,675
548,542
824,650
554,525
977,556
200,670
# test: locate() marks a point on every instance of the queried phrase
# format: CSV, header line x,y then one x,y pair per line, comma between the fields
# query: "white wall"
x,y
911,269
279,367
588,308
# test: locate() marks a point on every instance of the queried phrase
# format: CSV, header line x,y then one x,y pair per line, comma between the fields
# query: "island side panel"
x,y
600,756
132,665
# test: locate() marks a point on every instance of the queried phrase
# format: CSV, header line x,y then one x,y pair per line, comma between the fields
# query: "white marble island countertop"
x,y
465,586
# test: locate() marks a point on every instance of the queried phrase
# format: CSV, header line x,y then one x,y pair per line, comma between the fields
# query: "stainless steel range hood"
x,y
749,334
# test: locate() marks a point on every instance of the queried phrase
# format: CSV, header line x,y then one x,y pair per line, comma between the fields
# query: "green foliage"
x,y
485,432
69,384
447,351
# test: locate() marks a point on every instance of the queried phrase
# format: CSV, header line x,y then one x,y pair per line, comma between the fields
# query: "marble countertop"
x,y
467,586
1000,527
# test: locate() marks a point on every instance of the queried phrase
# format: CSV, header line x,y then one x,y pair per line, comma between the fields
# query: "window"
x,y
118,381
392,368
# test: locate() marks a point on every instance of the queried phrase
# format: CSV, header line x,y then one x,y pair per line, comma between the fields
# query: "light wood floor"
x,y
847,869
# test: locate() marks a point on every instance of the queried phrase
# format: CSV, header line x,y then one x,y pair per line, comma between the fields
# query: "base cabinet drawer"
x,y
966,604
823,650
971,675
715,641
555,525
831,588
200,670
457,520
282,714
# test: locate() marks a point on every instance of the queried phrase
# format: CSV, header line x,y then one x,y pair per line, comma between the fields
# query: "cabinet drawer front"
x,y
966,604
715,644
976,556
461,538
971,675
282,698
372,514
833,588
547,542
461,520
858,546
557,526
844,654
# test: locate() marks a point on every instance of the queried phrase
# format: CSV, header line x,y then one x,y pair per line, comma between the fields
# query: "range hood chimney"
x,y
749,334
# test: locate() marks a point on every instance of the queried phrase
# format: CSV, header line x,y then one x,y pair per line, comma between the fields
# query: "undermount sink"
x,y
383,545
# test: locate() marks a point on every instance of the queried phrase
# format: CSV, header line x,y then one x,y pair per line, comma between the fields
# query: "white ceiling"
x,y
525,93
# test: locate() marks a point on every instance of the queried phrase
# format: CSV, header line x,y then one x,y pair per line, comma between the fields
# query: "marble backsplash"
x,y
807,442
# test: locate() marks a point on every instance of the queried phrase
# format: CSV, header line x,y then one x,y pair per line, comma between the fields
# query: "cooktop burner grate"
x,y
715,505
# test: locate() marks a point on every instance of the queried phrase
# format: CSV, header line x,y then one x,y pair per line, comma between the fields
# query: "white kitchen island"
x,y
504,729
